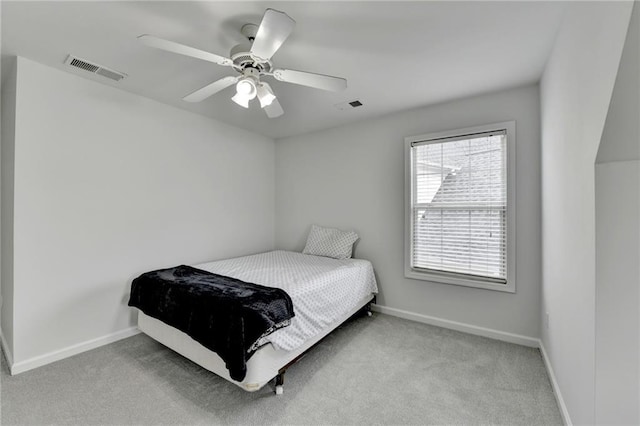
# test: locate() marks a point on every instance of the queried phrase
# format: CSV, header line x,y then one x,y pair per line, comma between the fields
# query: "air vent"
x,y
349,105
94,68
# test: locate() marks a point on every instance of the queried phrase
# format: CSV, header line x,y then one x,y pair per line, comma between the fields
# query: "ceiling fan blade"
x,y
317,81
273,31
181,49
274,109
211,89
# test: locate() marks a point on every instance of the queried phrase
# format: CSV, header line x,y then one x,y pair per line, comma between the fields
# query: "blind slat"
x,y
459,204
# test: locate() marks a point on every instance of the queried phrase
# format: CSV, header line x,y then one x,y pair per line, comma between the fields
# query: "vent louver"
x,y
85,65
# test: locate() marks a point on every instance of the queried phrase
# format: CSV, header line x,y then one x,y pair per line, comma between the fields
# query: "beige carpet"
x,y
378,370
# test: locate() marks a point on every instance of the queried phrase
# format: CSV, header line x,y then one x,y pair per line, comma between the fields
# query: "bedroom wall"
x,y
617,317
109,185
8,118
576,89
352,177
617,355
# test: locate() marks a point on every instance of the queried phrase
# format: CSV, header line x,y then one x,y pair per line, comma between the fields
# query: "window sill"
x,y
433,277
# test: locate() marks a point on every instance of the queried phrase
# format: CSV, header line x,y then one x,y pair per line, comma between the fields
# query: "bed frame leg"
x,y
280,383
368,310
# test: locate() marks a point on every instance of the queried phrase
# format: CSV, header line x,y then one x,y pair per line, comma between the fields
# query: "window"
x,y
460,218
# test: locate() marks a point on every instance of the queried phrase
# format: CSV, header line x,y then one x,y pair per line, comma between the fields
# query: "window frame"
x,y
451,277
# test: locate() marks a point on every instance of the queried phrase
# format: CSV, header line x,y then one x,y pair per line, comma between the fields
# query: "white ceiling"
x,y
395,55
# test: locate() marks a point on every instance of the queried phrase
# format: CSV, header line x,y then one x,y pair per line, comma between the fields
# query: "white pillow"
x,y
330,242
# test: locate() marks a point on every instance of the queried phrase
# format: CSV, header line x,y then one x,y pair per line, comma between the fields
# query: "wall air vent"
x,y
349,105
85,65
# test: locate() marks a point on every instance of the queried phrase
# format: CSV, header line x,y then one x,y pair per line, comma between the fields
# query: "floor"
x,y
372,370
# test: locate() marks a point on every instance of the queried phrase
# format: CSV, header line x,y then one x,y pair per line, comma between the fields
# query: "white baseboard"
x,y
554,384
38,361
459,326
5,348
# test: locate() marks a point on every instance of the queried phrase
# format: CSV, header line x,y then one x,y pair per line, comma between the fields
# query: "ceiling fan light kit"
x,y
247,88
252,61
265,95
243,101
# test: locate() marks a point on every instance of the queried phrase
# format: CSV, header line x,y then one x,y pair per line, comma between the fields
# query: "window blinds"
x,y
459,205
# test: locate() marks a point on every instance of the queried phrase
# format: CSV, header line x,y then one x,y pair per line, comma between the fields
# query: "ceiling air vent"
x,y
85,65
349,105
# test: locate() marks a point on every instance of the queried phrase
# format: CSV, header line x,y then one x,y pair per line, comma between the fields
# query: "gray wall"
x,y
109,185
617,355
6,221
575,92
620,134
617,317
352,177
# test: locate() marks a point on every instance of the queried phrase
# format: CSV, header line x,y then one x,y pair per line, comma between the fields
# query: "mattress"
x,y
323,290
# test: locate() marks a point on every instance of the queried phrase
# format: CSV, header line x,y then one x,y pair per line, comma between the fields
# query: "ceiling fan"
x,y
252,61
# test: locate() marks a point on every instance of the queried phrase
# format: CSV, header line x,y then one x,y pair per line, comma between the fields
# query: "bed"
x,y
325,292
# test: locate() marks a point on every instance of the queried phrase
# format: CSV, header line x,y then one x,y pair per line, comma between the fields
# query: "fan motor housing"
x,y
242,58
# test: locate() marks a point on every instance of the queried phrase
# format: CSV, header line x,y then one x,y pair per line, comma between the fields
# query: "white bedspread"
x,y
322,289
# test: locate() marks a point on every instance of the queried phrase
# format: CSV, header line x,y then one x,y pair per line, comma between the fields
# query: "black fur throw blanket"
x,y
224,314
